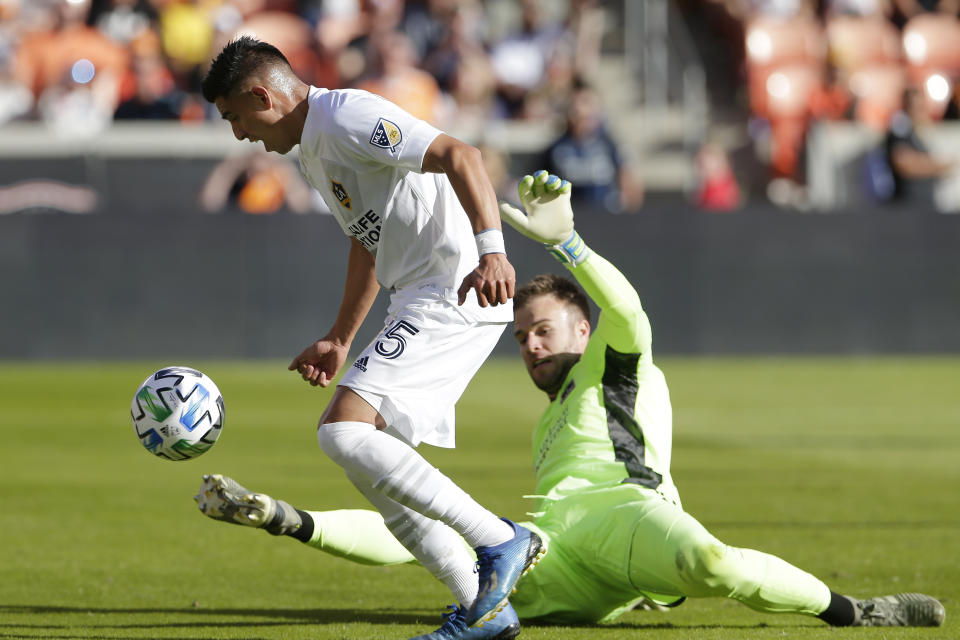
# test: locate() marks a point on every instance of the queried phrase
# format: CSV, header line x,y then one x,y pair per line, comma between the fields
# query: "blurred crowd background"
x,y
806,104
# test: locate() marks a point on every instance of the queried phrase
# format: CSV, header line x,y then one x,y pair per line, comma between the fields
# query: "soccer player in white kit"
x,y
423,222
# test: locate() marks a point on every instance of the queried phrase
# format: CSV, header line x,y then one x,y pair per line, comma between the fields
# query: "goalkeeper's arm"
x,y
549,219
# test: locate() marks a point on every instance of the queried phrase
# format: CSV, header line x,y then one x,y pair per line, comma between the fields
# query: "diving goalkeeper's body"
x,y
608,511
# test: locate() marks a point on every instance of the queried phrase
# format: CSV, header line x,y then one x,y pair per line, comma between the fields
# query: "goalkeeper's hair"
x,y
550,284
238,60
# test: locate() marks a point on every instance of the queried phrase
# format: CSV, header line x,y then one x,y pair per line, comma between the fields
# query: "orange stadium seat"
x,y
879,93
857,42
931,46
790,89
931,41
772,45
789,93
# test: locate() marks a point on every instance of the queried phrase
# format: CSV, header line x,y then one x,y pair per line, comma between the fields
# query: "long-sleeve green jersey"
x,y
611,421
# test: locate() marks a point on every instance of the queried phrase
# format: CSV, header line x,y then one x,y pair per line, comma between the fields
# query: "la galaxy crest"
x,y
386,135
341,194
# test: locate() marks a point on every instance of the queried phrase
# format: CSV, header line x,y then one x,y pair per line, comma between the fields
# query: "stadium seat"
x,y
931,46
858,42
931,41
790,88
878,91
866,52
772,45
789,93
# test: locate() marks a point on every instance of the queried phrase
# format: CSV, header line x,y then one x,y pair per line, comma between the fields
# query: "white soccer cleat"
x,y
223,498
900,610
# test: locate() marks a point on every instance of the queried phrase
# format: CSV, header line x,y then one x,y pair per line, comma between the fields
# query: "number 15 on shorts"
x,y
394,339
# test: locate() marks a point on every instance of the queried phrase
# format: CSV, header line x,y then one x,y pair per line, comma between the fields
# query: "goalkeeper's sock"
x,y
840,612
305,532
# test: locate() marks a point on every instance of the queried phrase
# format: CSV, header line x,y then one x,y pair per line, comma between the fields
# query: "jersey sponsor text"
x,y
366,229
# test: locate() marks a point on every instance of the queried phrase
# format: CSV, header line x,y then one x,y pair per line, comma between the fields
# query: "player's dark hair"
x,y
239,59
557,286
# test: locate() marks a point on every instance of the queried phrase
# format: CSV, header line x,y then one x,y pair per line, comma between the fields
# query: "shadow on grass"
x,y
217,618
284,617
97,637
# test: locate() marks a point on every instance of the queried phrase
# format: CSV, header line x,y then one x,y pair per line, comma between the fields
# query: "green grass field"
x,y
849,468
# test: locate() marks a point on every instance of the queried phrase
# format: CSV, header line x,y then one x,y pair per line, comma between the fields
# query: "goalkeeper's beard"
x,y
561,364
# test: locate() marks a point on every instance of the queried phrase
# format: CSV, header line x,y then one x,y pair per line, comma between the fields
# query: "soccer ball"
x,y
177,413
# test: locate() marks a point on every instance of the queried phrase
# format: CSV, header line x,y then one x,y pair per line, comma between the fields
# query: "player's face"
x,y
251,114
552,336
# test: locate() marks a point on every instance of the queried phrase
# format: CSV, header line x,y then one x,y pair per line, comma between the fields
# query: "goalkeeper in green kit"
x,y
607,509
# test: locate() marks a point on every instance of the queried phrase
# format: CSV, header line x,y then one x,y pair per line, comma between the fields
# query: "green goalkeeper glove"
x,y
549,218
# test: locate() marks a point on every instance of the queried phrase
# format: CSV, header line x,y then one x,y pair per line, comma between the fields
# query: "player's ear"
x,y
583,330
262,96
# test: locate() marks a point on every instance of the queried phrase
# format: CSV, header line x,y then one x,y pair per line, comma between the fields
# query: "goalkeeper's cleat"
x,y
900,610
223,498
505,627
499,567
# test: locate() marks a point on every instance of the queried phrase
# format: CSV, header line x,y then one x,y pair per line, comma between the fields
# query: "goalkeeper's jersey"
x,y
611,421
604,442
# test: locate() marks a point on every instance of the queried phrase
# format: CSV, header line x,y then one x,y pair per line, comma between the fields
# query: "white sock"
x,y
393,468
435,545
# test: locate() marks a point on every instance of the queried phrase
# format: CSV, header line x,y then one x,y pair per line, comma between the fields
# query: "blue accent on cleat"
x,y
499,568
505,626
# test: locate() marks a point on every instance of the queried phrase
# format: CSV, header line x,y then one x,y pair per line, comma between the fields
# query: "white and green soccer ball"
x,y
177,413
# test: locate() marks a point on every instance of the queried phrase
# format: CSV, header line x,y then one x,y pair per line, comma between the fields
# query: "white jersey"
x,y
365,155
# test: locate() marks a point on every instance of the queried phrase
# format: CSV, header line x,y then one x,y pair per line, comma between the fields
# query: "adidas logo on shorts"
x,y
361,363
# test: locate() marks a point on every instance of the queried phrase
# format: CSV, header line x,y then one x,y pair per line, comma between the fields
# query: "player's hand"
x,y
494,280
549,218
319,363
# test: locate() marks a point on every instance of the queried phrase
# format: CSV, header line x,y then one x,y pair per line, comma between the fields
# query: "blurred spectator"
x,y
124,20
586,155
520,59
915,171
432,23
903,10
343,30
395,76
77,106
16,99
717,189
187,36
460,37
584,27
472,100
46,57
551,98
256,182
154,94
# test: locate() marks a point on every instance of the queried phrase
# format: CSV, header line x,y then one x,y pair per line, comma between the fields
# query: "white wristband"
x,y
490,241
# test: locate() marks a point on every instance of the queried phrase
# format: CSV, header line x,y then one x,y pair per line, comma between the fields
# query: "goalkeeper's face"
x,y
552,335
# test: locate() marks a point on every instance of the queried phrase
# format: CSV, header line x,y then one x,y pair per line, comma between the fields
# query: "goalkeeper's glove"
x,y
549,218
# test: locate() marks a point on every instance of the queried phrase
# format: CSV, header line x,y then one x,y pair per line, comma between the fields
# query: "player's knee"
x,y
342,440
710,568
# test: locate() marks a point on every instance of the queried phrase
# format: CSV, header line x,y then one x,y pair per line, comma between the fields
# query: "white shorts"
x,y
414,372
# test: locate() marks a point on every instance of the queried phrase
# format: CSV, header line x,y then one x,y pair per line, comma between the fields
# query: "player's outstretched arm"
x,y
318,363
549,220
